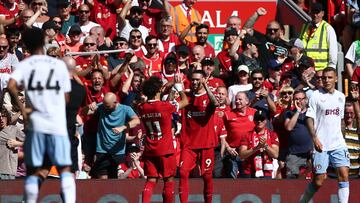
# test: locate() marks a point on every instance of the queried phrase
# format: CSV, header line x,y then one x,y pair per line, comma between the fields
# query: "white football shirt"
x,y
327,110
45,80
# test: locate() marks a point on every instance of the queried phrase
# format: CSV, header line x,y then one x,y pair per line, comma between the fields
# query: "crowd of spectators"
x,y
262,83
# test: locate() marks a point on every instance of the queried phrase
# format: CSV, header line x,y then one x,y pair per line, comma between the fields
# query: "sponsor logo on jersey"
x,y
332,112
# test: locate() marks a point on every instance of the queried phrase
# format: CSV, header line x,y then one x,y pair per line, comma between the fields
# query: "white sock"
x,y
31,188
68,187
309,193
343,192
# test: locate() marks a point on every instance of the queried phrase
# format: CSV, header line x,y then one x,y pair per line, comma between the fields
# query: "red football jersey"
x,y
238,126
169,45
157,116
209,50
213,83
219,119
155,64
199,123
150,17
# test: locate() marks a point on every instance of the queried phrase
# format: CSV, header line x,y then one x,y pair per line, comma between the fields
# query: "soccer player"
x,y
159,153
326,109
199,138
46,82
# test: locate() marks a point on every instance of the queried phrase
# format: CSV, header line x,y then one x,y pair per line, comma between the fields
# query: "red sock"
x,y
146,194
184,186
168,192
208,187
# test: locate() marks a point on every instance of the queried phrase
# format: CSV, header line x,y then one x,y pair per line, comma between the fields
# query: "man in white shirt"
x,y
47,84
326,109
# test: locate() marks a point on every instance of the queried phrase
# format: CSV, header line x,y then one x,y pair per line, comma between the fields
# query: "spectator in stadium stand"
x,y
94,95
320,39
159,153
198,54
49,28
201,33
222,97
40,8
13,37
154,58
183,15
84,19
10,12
133,168
182,53
351,131
198,139
259,148
104,14
11,137
7,60
324,124
296,51
64,8
114,119
167,39
250,52
134,21
351,29
282,104
243,84
352,58
272,46
238,123
136,43
208,66
60,38
87,63
299,140
73,42
103,42
224,56
304,74
77,98
117,58
152,16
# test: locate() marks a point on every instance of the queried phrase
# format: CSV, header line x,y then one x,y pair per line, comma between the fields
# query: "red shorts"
x,y
203,157
160,166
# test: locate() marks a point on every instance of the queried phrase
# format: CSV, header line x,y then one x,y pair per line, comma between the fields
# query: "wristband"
x,y
178,87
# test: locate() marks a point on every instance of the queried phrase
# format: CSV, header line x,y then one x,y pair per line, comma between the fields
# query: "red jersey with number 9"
x,y
157,116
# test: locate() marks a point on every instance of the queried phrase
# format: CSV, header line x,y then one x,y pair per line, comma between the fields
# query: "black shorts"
x,y
107,164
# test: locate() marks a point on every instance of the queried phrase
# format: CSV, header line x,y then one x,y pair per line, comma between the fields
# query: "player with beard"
x,y
198,138
201,33
159,153
135,21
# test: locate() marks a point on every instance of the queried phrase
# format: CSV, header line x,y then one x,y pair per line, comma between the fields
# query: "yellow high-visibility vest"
x,y
316,45
180,22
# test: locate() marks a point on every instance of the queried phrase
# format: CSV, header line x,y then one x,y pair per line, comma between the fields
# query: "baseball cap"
x,y
316,8
260,115
207,61
306,62
230,31
296,42
136,9
133,147
75,29
49,25
63,3
243,68
274,65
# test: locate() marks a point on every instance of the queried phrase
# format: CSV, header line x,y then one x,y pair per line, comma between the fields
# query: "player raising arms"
x,y
199,138
46,82
159,153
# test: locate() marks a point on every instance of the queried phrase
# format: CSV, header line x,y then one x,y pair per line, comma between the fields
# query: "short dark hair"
x,y
150,37
151,87
33,39
199,72
256,71
201,26
299,91
97,71
330,69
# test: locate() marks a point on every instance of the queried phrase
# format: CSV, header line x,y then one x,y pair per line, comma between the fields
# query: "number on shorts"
x,y
208,163
154,130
